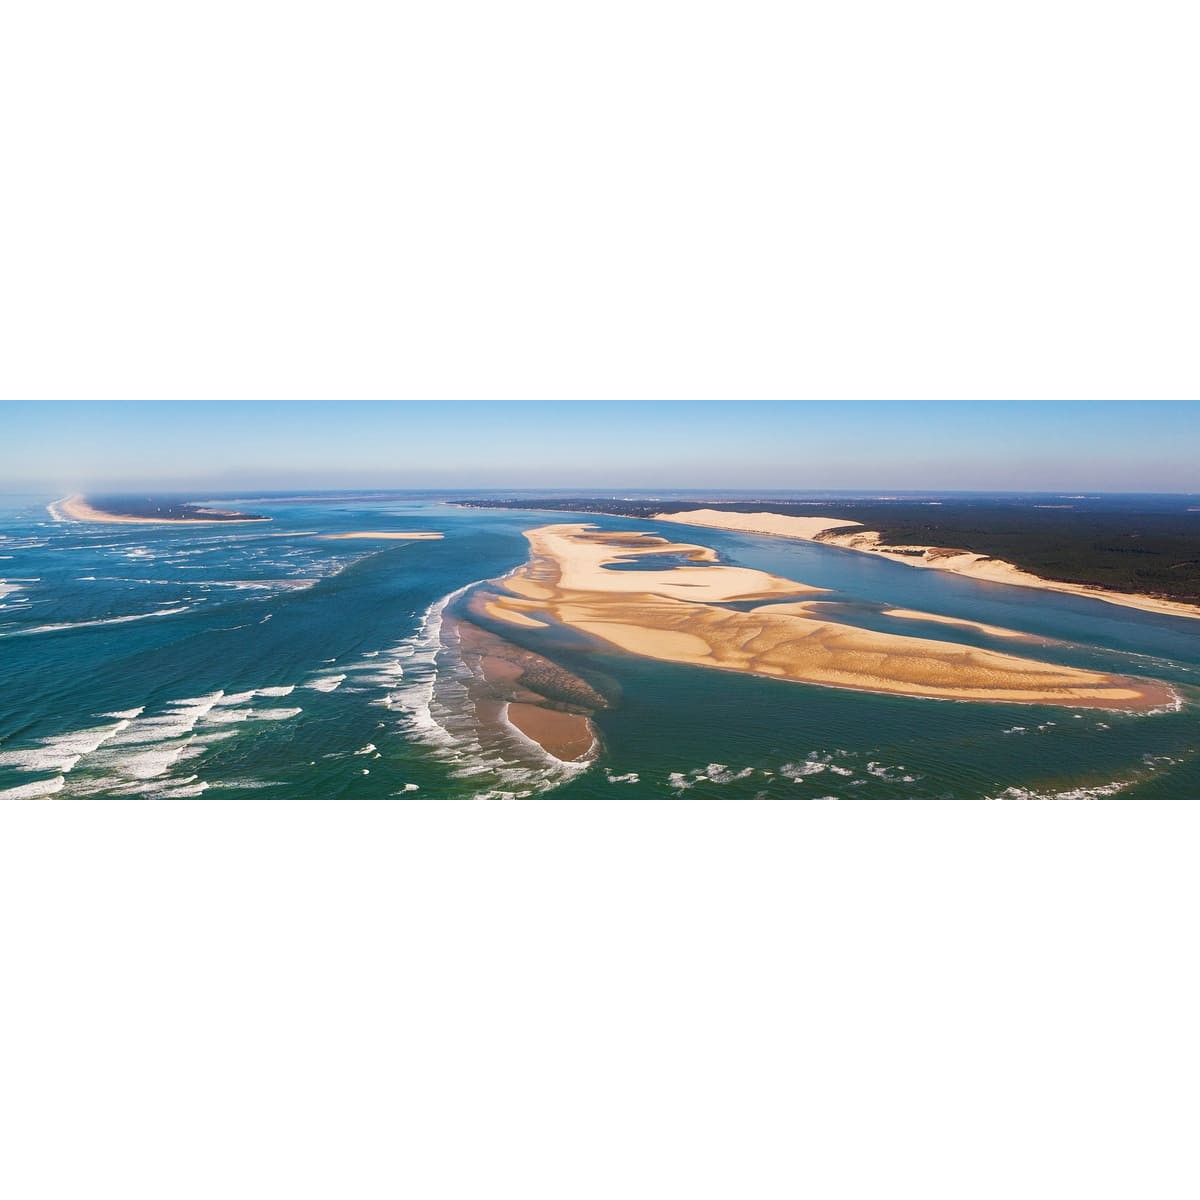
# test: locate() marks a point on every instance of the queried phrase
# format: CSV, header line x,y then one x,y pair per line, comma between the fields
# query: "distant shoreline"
x,y
837,531
77,508
830,531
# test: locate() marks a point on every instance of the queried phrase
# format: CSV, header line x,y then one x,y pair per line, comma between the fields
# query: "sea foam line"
x,y
437,713
165,612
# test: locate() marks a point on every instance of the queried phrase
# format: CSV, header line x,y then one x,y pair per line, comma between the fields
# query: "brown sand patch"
x,y
567,736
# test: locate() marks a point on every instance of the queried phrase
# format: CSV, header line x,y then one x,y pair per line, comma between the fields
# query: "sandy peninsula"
x,y
391,537
834,532
686,614
76,508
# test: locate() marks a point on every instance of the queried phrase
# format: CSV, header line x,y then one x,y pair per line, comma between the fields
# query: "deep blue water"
x,y
261,660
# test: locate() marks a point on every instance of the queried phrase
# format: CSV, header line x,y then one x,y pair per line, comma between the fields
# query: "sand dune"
x,y
774,523
683,614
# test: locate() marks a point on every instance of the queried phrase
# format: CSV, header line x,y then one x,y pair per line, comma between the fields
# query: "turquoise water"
x,y
259,660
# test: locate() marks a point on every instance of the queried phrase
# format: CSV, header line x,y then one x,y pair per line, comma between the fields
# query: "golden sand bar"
x,y
997,631
682,615
833,532
394,537
76,508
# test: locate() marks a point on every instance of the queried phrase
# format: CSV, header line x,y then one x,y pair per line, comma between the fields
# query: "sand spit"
x,y
392,537
681,615
940,558
76,508
997,631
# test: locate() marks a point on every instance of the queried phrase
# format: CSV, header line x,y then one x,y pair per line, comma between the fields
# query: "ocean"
x,y
260,660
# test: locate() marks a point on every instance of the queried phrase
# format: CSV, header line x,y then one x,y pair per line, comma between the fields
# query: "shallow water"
x,y
264,661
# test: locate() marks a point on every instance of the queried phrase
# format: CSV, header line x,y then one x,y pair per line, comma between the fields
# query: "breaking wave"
x,y
437,712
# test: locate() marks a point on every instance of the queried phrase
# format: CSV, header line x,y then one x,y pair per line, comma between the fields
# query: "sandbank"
x,y
682,615
76,508
392,537
997,631
961,562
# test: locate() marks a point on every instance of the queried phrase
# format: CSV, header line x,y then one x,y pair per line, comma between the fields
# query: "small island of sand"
x,y
390,537
699,614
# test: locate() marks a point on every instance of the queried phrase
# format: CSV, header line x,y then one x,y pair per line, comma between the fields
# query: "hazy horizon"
x,y
842,446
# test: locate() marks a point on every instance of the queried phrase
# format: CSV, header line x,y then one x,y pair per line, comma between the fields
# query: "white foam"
x,y
62,752
277,691
325,683
1081,793
367,749
125,714
232,716
408,787
720,773
164,612
677,779
152,763
801,770
889,773
632,777
31,791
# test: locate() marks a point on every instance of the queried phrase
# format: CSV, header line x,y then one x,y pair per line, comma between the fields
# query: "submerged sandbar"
x,y
685,614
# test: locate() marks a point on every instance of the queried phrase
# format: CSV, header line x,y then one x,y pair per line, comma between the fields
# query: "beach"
x,y
685,614
833,532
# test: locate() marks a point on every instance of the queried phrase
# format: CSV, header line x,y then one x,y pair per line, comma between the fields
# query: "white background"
x,y
639,199
554,1000
628,200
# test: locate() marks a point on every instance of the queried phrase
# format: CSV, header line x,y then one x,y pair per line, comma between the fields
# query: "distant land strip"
x,y
143,510
1144,560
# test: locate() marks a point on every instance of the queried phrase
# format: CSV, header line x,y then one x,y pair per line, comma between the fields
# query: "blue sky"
x,y
233,445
